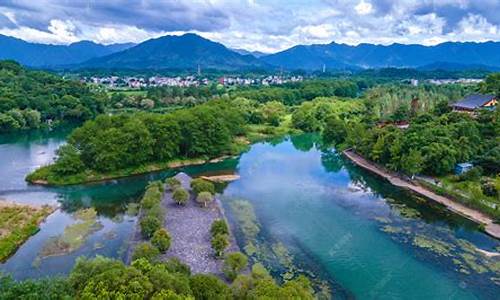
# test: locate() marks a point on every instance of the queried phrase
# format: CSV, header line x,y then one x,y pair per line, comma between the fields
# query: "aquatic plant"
x,y
436,246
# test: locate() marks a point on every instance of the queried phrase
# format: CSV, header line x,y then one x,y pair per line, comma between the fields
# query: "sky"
x,y
266,26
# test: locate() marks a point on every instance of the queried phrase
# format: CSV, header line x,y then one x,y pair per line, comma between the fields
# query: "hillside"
x,y
29,98
46,55
176,52
338,56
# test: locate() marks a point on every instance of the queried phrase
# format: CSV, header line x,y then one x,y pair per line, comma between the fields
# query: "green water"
x,y
326,215
330,216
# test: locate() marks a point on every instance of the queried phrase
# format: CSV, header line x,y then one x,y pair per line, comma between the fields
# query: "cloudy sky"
x,y
267,25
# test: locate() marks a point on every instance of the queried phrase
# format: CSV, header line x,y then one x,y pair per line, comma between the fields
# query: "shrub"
x,y
147,251
219,227
204,198
157,211
180,196
219,243
161,240
234,263
173,183
201,185
149,225
174,265
151,197
208,287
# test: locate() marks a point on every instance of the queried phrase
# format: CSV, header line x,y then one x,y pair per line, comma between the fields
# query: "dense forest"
x,y
30,98
104,278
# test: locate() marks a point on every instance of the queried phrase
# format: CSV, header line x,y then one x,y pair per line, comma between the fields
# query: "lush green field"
x,y
17,224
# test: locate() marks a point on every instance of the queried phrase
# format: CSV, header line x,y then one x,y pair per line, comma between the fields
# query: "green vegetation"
x,y
146,251
161,239
30,98
129,144
17,224
204,198
152,213
104,278
219,227
435,141
180,196
201,185
219,243
74,235
173,183
234,263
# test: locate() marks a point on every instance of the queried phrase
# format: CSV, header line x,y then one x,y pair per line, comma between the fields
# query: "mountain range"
x,y
46,55
189,51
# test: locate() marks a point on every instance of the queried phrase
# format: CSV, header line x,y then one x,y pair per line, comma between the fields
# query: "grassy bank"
x,y
481,203
17,224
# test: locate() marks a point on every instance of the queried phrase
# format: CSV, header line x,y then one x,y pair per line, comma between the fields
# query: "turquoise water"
x,y
339,225
329,215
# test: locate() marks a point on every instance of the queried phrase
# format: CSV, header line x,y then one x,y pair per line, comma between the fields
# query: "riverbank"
x,y
189,226
489,226
43,175
18,222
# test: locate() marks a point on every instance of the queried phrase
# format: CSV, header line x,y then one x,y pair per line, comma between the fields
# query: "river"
x,y
296,207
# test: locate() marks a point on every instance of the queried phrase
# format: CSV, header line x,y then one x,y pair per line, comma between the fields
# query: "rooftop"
x,y
474,101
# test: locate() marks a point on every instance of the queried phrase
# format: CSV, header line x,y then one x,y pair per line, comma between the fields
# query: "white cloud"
x,y
254,25
363,8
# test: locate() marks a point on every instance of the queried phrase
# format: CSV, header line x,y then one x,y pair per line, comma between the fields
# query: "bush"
x,y
174,265
161,240
180,196
201,185
157,211
149,225
219,227
147,251
151,197
208,287
204,198
219,243
233,264
173,183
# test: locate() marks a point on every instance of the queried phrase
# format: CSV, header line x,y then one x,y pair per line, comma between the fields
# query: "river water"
x,y
296,208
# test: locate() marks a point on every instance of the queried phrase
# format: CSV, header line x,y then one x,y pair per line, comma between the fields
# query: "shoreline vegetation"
x,y
18,222
474,215
145,142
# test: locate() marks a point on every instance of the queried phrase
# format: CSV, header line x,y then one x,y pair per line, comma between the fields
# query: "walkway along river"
x,y
474,215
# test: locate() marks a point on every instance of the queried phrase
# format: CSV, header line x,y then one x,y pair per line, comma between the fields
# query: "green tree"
x,y
161,239
180,196
204,198
219,243
201,185
147,251
173,183
219,226
68,161
413,162
149,225
234,263
209,287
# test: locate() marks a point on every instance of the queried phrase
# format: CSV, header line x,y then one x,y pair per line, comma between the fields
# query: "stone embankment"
x,y
490,227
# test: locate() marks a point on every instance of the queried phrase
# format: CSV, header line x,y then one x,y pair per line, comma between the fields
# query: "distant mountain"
x,y
45,55
177,52
339,56
457,67
256,54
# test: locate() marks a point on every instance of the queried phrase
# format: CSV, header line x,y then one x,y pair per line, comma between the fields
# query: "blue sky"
x,y
267,26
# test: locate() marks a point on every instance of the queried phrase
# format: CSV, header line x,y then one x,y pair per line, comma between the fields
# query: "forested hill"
x,y
45,55
177,52
338,56
30,98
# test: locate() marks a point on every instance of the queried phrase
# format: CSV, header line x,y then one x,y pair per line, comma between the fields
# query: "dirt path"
x,y
474,215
